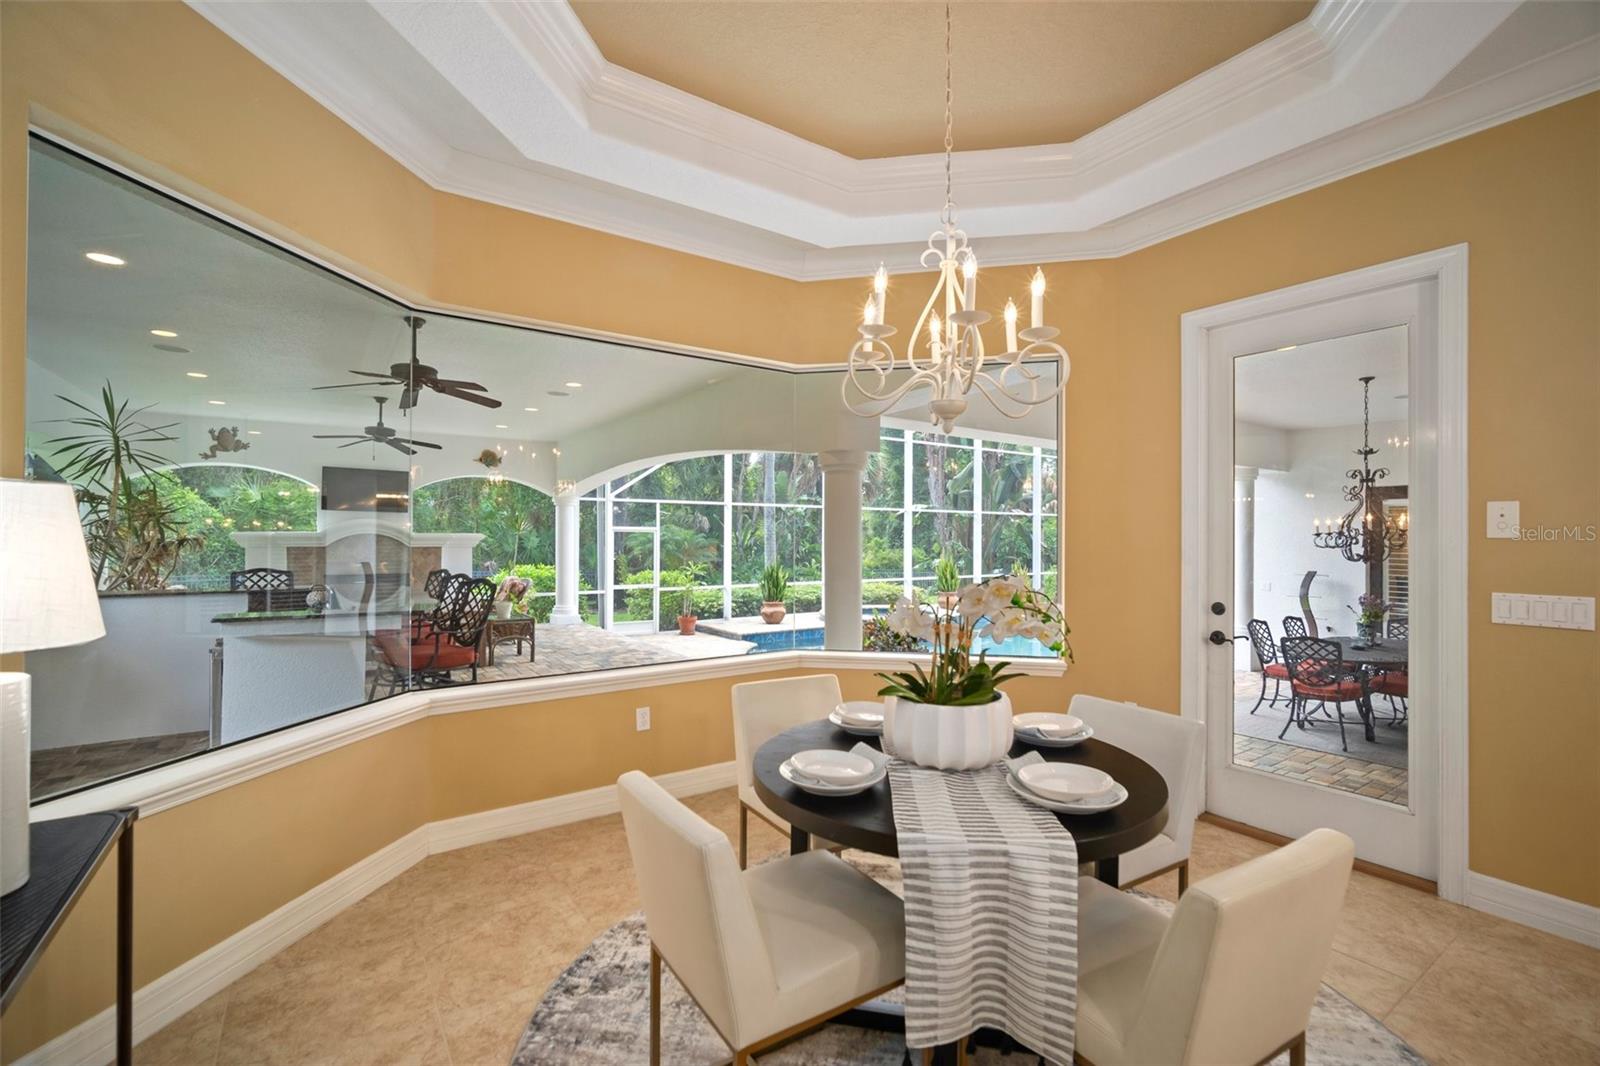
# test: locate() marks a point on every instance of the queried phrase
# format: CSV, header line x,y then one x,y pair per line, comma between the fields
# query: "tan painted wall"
x,y
155,86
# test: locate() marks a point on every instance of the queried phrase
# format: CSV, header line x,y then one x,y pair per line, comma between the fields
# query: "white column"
x,y
1244,563
841,548
565,612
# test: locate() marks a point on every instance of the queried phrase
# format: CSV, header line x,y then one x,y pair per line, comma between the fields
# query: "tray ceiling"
x,y
514,102
867,78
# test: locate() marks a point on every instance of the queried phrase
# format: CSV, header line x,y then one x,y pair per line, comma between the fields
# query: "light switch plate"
x,y
1504,518
1549,612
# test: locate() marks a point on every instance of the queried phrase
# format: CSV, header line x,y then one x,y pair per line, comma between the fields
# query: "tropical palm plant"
x,y
132,531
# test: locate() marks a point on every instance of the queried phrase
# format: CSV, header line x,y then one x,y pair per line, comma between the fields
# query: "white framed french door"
x,y
1253,397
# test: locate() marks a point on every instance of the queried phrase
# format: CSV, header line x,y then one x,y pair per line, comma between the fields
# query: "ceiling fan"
x,y
416,376
378,434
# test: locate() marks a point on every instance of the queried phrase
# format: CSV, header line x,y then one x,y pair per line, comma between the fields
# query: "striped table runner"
x,y
991,897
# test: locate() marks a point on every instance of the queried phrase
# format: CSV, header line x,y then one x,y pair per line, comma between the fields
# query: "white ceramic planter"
x,y
947,738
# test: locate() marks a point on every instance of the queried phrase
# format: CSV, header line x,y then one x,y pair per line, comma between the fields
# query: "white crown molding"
x,y
592,144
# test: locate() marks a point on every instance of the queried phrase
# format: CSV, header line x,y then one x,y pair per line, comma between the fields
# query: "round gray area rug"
x,y
598,1012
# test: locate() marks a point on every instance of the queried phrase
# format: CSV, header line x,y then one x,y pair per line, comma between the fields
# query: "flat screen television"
x,y
365,489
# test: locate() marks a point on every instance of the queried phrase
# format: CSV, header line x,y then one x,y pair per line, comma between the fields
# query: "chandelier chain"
x,y
948,215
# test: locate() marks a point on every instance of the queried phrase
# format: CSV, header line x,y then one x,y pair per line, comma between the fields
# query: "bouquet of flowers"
x,y
512,590
1372,609
996,609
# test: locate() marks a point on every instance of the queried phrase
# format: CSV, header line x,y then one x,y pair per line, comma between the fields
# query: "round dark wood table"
x,y
866,820
1392,654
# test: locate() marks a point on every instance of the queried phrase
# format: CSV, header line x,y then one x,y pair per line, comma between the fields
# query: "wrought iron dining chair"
x,y
1398,627
258,583
1261,640
433,584
1317,671
1294,626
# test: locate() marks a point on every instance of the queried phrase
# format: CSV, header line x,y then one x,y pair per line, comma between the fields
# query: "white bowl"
x,y
861,712
833,767
1050,725
1065,781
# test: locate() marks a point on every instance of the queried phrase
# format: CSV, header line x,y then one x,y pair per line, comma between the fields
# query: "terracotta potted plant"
x,y
774,590
687,619
953,715
948,580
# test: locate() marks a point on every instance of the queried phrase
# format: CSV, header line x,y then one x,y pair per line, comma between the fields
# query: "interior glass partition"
x,y
357,498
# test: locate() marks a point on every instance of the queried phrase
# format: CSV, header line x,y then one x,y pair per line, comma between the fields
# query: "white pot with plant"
x,y
953,715
510,595
774,591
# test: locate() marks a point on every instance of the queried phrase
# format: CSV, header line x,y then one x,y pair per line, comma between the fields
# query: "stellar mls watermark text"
x,y
1585,534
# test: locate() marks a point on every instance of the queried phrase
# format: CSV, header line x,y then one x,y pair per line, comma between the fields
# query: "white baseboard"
x,y
172,994
469,829
1528,906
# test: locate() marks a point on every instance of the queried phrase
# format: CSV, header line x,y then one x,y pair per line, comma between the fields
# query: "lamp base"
x,y
15,753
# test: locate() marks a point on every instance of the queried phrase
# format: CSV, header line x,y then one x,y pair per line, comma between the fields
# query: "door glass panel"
x,y
1321,578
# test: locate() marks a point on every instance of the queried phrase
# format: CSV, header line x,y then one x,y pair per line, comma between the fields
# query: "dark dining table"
x,y
866,821
1392,654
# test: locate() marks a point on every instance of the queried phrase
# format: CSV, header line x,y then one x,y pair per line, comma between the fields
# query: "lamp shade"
x,y
47,593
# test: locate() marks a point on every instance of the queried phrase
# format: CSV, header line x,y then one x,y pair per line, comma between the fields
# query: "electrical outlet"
x,y
641,718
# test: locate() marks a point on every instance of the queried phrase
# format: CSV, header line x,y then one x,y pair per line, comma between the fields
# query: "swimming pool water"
x,y
784,639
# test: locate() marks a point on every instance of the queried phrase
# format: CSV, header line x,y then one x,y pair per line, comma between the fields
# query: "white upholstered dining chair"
x,y
765,953
762,710
1230,977
1175,746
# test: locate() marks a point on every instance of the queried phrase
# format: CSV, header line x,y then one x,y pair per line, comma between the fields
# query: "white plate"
x,y
808,784
1050,725
1065,782
1115,798
861,713
1046,740
856,730
832,766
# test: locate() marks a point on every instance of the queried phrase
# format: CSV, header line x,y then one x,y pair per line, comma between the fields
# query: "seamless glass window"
x,y
349,498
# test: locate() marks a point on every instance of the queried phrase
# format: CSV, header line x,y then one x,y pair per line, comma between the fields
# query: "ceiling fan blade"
x,y
472,397
397,446
375,374
408,398
441,384
358,440
338,436
421,443
351,385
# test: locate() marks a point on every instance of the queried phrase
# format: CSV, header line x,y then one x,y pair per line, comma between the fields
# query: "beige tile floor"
x,y
446,963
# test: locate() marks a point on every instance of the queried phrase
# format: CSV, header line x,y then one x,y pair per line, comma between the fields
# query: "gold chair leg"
x,y
655,1006
1297,1051
744,836
741,1058
1183,878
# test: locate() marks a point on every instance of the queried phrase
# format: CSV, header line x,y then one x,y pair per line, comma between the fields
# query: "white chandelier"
x,y
952,361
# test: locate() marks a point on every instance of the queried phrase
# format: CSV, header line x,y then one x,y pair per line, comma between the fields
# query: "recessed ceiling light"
x,y
1288,348
163,333
573,384
498,426
195,374
170,348
558,392
217,403
531,410
105,259
257,433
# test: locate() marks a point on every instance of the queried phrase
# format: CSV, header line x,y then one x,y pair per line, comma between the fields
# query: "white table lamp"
x,y
47,600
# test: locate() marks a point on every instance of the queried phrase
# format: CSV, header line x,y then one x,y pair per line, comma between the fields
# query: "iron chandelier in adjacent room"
x,y
952,361
1367,533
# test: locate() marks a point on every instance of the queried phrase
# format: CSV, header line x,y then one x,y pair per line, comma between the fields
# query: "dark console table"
x,y
63,858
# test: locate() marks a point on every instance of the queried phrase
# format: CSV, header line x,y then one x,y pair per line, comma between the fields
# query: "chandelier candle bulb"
x,y
969,273
869,314
1037,287
880,292
1011,325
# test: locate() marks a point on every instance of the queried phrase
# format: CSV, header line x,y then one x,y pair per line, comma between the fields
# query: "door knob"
x,y
1218,638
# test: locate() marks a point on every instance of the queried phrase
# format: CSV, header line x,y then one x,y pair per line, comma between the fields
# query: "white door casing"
x,y
1427,293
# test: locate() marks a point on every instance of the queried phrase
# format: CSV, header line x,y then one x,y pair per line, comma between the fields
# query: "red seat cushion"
x,y
1343,690
1276,670
1392,683
445,655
